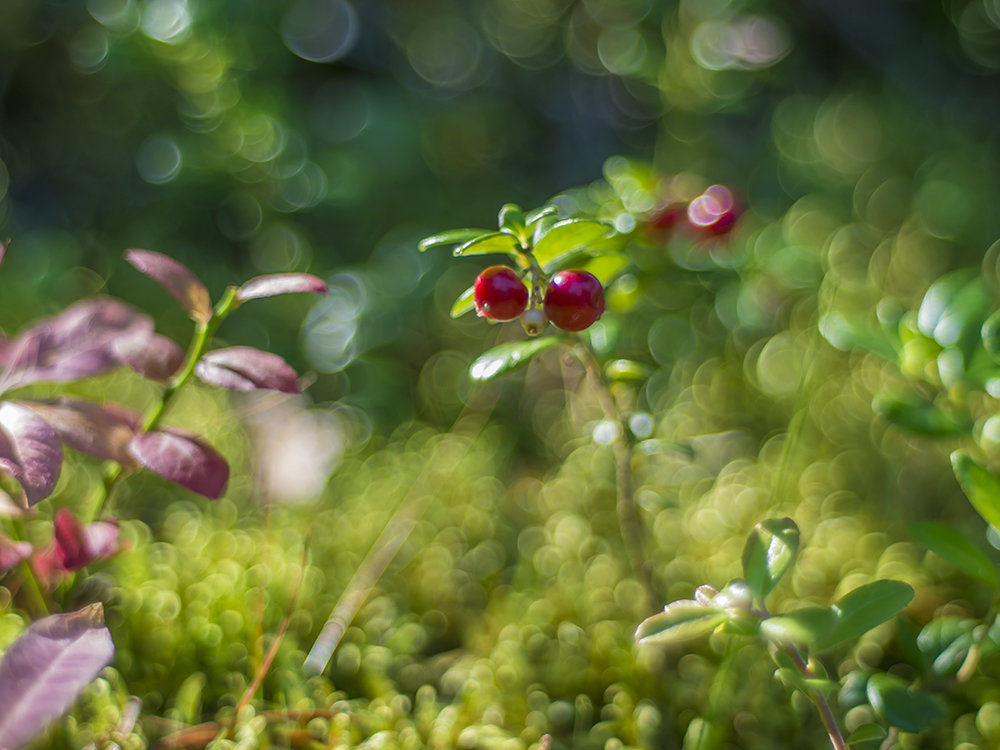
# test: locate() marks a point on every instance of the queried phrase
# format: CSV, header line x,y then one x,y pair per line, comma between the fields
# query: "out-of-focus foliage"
x,y
821,361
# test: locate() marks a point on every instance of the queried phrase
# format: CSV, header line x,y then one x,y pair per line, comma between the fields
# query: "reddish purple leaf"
x,y
281,283
73,344
12,553
77,545
47,667
102,431
183,458
4,244
176,278
243,368
153,356
30,450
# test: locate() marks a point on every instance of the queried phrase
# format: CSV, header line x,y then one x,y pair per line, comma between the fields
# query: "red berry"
x,y
500,294
574,300
662,222
714,211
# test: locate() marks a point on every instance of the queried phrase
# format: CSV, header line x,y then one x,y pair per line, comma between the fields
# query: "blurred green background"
x,y
246,137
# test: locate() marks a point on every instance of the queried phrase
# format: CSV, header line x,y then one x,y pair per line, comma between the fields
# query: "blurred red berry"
x,y
662,222
500,294
713,212
574,300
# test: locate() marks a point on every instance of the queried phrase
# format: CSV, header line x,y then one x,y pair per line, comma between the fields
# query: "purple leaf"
x,y
102,431
281,283
243,368
153,356
12,553
4,244
183,458
176,278
73,344
30,450
47,667
77,545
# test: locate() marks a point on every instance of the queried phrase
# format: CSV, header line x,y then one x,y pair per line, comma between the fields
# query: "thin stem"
x,y
628,513
825,712
39,601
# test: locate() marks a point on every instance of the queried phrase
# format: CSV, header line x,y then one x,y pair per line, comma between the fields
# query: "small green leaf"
x,y
866,733
903,706
511,219
919,416
451,237
939,297
681,621
800,626
494,242
465,303
606,267
946,641
626,369
567,236
865,608
768,554
506,357
980,485
957,549
538,213
991,335
855,332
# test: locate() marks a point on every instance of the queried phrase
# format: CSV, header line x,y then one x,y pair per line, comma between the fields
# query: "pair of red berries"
x,y
573,299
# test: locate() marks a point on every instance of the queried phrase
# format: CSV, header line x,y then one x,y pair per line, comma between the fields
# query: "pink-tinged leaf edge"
x,y
103,431
176,278
30,450
47,667
244,368
184,459
281,283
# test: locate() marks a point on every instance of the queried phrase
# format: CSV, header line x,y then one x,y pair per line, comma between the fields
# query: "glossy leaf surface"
x,y
980,485
244,368
902,705
184,459
768,554
679,622
957,549
281,283
30,451
865,608
506,357
176,278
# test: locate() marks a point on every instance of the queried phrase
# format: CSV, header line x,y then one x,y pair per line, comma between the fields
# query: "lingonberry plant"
x,y
51,662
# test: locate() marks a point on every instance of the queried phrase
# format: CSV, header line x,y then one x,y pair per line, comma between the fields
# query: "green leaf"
x,y
538,213
567,236
465,303
506,357
957,549
991,335
768,554
939,297
865,608
866,733
903,706
855,332
606,267
800,626
919,416
681,621
494,242
945,642
626,369
511,219
451,237
980,485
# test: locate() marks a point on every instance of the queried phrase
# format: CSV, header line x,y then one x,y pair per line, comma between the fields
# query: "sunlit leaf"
x,y
176,278
538,213
853,332
30,451
919,416
244,368
904,706
506,357
957,549
47,667
182,458
865,608
465,303
101,431
980,485
567,236
452,237
804,626
511,219
626,369
281,283
495,242
606,267
681,621
768,554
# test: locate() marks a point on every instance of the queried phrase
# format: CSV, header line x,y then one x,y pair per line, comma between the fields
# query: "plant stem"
x,y
31,581
628,514
825,712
